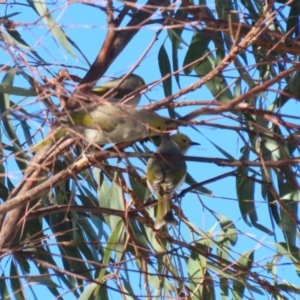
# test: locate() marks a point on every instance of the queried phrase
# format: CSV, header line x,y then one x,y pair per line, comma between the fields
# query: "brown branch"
x,y
38,163
7,230
268,115
141,17
115,42
237,49
231,104
94,159
102,60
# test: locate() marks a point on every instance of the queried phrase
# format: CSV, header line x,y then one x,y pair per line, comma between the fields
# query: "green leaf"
x,y
165,69
42,280
245,188
139,189
111,197
16,283
18,91
3,287
246,261
291,252
14,33
191,181
245,193
223,252
225,153
229,229
196,270
290,197
208,292
88,291
41,9
181,14
8,124
111,243
128,288
197,49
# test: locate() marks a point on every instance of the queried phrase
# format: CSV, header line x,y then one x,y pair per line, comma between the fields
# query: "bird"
x,y
166,172
129,85
106,124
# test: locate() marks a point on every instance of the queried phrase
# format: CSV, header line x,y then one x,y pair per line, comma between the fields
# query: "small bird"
x,y
105,124
166,172
129,85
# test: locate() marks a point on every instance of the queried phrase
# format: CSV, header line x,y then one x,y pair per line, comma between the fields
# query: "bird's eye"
x,y
158,127
184,140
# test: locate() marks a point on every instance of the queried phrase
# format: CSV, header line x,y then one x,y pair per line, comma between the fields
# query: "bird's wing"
x,y
174,176
154,174
103,117
165,177
54,135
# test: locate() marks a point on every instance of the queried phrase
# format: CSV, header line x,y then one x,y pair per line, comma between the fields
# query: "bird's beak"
x,y
195,144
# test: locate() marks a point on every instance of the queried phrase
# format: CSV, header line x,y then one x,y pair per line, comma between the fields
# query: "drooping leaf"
x,y
41,9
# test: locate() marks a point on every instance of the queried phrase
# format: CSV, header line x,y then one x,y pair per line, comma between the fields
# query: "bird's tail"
x,y
164,212
53,136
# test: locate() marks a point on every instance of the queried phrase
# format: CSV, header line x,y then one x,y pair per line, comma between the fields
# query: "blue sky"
x,y
87,27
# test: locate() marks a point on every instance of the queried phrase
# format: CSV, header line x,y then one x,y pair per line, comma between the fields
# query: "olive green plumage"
x,y
108,123
105,124
129,85
166,172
